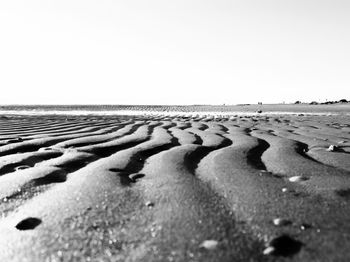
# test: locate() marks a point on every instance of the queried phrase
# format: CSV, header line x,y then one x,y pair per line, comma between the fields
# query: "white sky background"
x,y
173,52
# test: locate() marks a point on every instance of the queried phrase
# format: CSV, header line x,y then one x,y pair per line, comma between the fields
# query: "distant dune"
x,y
199,187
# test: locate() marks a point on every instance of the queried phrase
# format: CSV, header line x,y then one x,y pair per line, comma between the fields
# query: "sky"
x,y
173,52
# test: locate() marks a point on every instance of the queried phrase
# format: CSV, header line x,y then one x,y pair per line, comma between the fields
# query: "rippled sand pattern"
x,y
155,188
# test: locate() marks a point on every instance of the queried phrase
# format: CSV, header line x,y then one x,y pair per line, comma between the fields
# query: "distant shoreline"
x,y
215,110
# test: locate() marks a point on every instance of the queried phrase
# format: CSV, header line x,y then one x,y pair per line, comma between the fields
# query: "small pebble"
x,y
284,190
297,178
281,222
135,177
305,226
269,251
22,167
262,172
332,148
149,204
209,244
45,149
14,140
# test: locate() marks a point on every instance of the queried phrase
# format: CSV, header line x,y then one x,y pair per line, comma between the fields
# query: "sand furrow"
x,y
287,158
184,137
10,163
336,159
61,129
107,128
186,213
36,144
12,183
36,127
86,183
107,148
208,139
155,187
98,138
257,198
317,149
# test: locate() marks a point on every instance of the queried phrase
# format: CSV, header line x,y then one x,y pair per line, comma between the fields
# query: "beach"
x,y
195,183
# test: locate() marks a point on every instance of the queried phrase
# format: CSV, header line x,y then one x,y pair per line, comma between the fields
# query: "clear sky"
x,y
173,52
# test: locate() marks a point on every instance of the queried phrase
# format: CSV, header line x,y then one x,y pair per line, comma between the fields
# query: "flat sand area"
x,y
175,188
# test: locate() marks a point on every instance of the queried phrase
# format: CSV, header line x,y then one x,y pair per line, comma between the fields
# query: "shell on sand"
x,y
269,251
22,167
297,178
209,244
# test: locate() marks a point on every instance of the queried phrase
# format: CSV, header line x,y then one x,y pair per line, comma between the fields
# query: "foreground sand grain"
x,y
155,188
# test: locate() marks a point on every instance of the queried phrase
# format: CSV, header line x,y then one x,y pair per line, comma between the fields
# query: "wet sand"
x,y
158,187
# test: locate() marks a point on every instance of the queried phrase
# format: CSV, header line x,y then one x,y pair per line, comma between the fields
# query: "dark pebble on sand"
x,y
283,246
28,223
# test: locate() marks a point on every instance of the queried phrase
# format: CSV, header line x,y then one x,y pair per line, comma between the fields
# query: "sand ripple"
x,y
79,187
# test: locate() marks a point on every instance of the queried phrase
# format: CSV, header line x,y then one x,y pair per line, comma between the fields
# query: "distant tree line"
x,y
325,103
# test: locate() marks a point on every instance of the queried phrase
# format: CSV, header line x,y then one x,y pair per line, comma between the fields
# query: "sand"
x,y
167,187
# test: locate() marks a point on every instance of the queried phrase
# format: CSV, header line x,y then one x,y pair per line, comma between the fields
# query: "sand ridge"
x,y
153,188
